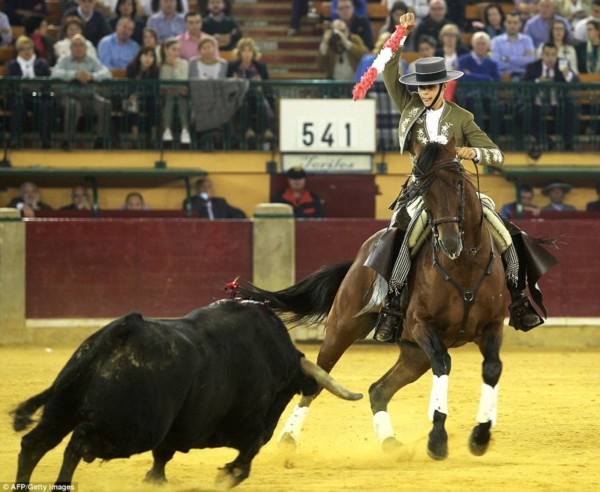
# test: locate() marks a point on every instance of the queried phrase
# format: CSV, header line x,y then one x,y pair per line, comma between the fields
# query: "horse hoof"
x,y
288,442
477,449
391,445
480,439
437,450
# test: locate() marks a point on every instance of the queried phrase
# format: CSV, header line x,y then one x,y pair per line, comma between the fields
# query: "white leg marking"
x,y
439,396
294,424
488,404
383,426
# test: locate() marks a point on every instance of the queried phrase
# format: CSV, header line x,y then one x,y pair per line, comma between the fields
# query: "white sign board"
x,y
327,126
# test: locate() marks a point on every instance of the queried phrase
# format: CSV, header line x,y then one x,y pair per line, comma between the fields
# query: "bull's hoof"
x,y
229,476
391,445
437,450
480,439
155,477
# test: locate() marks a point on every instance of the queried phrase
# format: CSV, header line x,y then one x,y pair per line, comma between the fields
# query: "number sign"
x,y
327,125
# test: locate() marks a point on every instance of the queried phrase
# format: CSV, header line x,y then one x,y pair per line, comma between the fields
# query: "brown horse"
x,y
454,295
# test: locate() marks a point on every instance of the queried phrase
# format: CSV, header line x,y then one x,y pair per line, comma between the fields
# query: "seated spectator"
x,y
550,69
79,98
29,200
493,20
247,65
357,24
80,199
142,100
211,207
134,201
588,52
207,66
307,204
396,10
580,30
117,49
71,25
512,51
595,205
174,68
426,46
150,38
167,22
451,46
360,8
477,65
340,51
192,36
557,192
515,209
18,10
95,26
432,24
538,27
223,27
5,30
149,7
26,65
557,37
36,28
129,9
526,9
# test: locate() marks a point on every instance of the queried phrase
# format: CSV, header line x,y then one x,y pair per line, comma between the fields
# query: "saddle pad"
x,y
502,239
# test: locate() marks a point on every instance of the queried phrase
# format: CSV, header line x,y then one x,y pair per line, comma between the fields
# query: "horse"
x,y
455,294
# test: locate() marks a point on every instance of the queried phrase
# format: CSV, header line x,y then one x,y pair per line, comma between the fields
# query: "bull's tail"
x,y
22,414
309,300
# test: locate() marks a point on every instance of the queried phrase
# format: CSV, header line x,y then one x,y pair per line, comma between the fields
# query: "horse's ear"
x,y
451,145
418,148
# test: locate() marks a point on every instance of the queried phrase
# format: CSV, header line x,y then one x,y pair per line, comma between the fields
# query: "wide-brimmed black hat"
x,y
563,186
296,173
429,71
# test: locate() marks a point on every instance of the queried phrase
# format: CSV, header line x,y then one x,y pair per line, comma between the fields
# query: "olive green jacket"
x,y
455,121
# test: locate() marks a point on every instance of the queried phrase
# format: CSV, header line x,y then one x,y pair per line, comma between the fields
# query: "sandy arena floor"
x,y
546,437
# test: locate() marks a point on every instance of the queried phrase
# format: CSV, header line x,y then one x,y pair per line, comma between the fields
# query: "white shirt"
x,y
432,122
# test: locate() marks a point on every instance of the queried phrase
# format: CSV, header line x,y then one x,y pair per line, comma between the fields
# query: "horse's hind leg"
x,y
492,368
412,363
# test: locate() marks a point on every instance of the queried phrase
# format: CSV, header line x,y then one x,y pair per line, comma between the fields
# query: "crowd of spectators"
x,y
505,44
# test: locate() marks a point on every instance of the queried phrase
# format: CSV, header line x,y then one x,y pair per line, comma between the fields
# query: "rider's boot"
x,y
390,320
523,316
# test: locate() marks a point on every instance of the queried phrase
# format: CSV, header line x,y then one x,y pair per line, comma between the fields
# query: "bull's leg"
x,y
410,366
71,458
489,346
238,470
162,454
34,446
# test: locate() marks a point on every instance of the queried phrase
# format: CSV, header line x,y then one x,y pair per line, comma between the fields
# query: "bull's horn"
x,y
324,379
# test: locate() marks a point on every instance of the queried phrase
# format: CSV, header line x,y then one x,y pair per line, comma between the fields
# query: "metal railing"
x,y
125,114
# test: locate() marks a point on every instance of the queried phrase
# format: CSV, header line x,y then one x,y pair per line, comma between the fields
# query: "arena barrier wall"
x,y
102,269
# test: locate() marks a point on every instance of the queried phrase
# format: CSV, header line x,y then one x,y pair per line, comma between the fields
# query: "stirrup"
x,y
523,316
388,324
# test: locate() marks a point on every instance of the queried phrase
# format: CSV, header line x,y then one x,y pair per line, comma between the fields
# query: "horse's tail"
x,y
22,414
308,300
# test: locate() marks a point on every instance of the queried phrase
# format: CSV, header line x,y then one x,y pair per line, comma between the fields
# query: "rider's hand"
x,y
467,153
407,20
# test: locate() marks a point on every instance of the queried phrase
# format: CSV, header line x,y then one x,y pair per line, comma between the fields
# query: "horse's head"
x,y
440,182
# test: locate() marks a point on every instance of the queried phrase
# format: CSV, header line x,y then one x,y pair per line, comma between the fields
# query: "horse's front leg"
x,y
433,345
410,366
489,346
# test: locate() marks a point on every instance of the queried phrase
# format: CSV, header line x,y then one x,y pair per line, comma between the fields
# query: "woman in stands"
x,y
588,52
493,20
246,65
172,68
72,25
558,37
128,8
452,47
206,66
395,12
36,28
142,100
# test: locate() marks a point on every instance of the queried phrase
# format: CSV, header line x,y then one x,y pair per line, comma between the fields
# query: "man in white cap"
x,y
426,117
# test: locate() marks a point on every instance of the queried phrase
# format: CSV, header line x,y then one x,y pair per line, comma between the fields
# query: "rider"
x,y
426,117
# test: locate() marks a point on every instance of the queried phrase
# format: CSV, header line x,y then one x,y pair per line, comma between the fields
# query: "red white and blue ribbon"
x,y
385,55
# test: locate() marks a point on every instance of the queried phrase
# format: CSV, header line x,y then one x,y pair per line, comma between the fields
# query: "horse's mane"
x,y
425,171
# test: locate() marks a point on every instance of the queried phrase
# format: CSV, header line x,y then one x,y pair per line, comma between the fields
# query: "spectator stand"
x,y
98,178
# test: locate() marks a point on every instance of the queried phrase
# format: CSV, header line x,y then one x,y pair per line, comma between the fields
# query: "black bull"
x,y
220,376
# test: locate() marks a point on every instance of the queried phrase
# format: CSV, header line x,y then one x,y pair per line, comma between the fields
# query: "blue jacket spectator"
x,y
167,22
118,49
95,26
477,66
